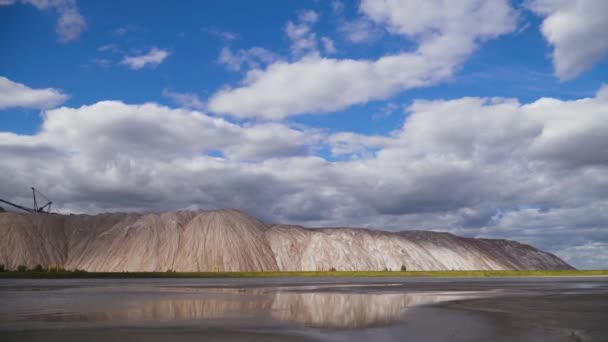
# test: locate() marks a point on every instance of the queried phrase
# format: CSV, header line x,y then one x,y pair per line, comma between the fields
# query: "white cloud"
x,y
446,36
13,94
309,17
385,111
225,35
273,94
70,23
356,145
273,140
153,58
328,45
360,30
443,28
110,129
304,43
303,39
185,100
253,58
116,129
577,31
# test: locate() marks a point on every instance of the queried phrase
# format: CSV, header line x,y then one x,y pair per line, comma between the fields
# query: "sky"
x,y
480,118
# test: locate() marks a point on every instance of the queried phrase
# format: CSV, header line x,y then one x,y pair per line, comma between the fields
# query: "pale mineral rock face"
x,y
229,240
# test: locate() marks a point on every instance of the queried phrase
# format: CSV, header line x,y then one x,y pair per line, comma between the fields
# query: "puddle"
x,y
336,307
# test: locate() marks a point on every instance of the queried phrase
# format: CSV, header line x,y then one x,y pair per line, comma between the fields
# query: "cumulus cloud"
x,y
576,30
143,151
153,58
485,167
272,93
446,34
70,23
13,94
114,129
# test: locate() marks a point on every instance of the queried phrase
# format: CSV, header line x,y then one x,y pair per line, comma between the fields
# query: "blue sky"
x,y
515,65
395,115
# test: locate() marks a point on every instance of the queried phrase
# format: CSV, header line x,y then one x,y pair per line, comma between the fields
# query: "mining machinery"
x,y
45,209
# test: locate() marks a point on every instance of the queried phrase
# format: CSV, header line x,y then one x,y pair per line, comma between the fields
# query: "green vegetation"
x,y
2,269
83,274
403,268
55,268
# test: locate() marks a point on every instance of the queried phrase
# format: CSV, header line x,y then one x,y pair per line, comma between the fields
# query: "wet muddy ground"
x,y
311,309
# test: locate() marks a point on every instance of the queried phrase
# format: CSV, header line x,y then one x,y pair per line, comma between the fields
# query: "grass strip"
x,y
119,275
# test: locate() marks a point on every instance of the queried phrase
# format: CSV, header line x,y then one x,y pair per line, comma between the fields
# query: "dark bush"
x,y
37,268
403,268
333,269
21,268
2,269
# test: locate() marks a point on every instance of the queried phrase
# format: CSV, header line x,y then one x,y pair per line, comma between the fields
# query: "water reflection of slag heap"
x,y
213,304
352,310
315,309
340,310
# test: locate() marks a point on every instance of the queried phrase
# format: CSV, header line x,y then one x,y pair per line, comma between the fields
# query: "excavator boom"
x,y
46,209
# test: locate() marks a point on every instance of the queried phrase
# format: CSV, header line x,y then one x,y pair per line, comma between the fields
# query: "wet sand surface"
x,y
306,309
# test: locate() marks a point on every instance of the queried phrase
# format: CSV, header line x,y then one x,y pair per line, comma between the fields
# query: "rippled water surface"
x,y
332,309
